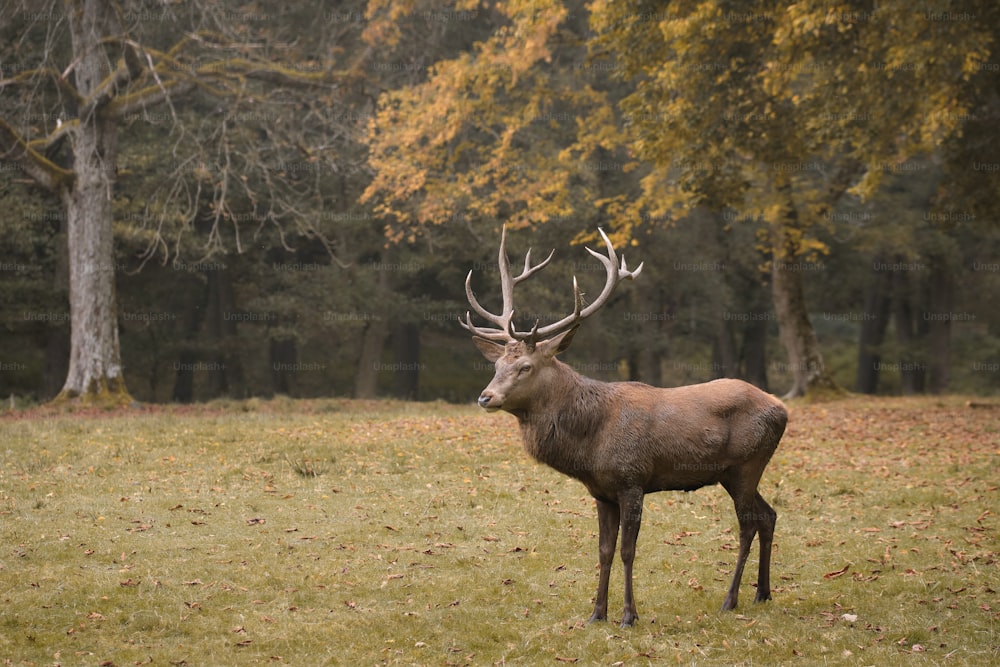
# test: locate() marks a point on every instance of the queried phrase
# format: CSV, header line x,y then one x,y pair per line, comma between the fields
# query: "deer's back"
x,y
683,438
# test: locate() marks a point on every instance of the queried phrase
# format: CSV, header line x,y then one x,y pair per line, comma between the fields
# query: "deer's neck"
x,y
560,428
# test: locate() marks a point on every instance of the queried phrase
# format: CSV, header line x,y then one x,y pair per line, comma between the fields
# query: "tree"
x,y
705,114
781,111
93,67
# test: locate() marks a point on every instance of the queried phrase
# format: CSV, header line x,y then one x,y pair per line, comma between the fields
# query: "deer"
x,y
624,440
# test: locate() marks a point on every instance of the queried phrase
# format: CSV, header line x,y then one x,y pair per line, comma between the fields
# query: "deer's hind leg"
x,y
748,529
766,518
753,515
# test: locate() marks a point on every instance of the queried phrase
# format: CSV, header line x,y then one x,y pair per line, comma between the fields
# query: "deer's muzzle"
x,y
486,400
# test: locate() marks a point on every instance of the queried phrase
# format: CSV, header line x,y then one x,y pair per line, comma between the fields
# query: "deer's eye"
x,y
524,370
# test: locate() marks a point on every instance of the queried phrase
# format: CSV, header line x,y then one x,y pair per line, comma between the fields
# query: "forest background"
x,y
227,199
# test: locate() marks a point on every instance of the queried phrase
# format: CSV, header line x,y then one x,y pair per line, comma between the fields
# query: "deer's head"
x,y
522,370
524,360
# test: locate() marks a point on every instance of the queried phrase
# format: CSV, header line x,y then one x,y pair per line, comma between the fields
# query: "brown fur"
x,y
626,439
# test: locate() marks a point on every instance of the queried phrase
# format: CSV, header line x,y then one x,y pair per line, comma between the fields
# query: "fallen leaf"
x,y
837,573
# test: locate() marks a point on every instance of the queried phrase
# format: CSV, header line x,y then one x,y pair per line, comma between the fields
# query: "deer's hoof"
x,y
629,620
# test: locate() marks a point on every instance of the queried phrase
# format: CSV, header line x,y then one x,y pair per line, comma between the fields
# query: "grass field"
x,y
336,532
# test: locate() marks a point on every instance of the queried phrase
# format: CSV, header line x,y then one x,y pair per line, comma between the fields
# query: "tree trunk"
x,y
939,326
794,327
372,343
753,353
873,326
184,376
57,336
644,365
284,360
796,331
725,357
406,353
366,375
225,367
95,357
911,368
95,369
188,354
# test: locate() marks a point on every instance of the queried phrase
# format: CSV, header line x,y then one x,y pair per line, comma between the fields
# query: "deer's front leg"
x,y
630,505
607,523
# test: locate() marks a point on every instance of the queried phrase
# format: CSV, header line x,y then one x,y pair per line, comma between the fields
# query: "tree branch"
x,y
61,130
129,68
150,96
28,76
45,172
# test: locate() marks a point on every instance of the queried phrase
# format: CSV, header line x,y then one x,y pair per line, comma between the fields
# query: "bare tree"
x,y
80,71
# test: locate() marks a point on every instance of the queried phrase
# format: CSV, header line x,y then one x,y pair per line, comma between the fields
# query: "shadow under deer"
x,y
623,440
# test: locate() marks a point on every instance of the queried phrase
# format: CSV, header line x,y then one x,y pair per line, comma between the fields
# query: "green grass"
x,y
335,532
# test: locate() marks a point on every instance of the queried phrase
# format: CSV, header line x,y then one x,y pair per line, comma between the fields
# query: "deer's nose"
x,y
484,400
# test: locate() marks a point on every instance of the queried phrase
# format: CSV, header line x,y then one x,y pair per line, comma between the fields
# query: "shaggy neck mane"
x,y
557,429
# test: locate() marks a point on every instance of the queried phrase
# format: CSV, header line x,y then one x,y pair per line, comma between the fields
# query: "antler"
x,y
505,321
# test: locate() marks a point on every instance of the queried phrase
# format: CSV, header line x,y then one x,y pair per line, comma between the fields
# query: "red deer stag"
x,y
626,439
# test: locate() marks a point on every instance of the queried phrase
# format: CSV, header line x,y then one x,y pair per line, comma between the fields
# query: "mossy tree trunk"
x,y
805,360
95,368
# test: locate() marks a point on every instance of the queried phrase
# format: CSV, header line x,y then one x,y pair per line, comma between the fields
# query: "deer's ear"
x,y
492,351
554,346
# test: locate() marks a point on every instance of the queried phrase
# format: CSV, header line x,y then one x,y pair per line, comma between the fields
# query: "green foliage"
x,y
425,536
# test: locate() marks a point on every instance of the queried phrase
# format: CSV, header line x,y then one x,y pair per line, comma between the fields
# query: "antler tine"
x,y
530,270
615,274
476,306
496,335
570,320
531,337
506,282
